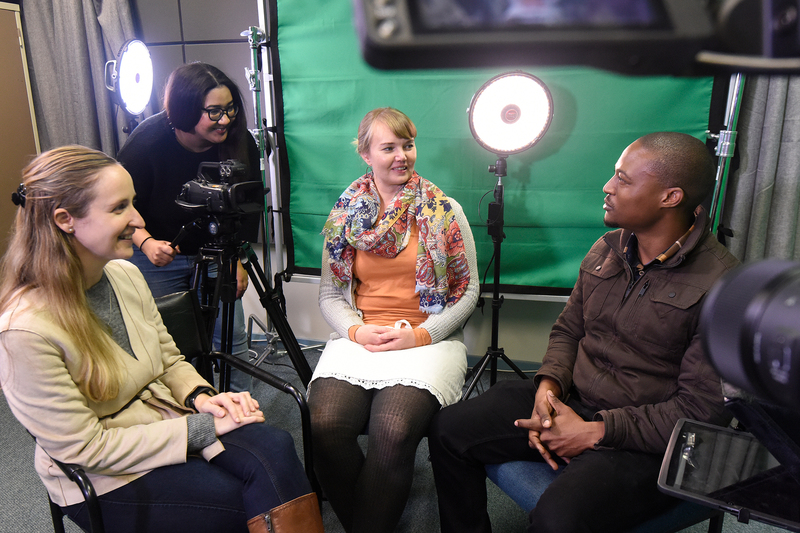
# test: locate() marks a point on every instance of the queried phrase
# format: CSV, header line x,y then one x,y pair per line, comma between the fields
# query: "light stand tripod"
x,y
495,227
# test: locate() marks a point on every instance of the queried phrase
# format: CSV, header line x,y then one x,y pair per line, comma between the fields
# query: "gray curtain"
x,y
763,195
69,42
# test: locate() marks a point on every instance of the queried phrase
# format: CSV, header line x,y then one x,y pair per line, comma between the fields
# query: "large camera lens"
x,y
750,325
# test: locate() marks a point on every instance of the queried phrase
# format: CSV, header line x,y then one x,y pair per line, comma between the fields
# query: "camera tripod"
x,y
495,228
220,294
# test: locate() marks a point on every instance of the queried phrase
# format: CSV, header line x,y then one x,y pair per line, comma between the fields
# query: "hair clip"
x,y
18,196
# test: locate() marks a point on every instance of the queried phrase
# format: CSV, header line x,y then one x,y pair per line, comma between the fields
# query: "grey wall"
x,y
182,31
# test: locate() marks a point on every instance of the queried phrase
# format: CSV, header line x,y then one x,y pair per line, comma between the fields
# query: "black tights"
x,y
368,494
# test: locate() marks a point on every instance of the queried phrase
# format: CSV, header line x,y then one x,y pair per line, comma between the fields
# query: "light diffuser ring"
x,y
134,83
491,119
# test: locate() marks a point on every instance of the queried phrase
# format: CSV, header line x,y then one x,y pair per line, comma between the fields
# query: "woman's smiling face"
x,y
391,158
105,232
210,131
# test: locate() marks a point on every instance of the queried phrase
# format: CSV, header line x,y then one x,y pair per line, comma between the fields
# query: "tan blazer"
x,y
115,441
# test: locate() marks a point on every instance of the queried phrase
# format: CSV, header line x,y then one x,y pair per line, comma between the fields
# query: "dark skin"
x,y
635,200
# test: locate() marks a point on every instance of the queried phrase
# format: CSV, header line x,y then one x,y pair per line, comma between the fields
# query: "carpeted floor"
x,y
23,501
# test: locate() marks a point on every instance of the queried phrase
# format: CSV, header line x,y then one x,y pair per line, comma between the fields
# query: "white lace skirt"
x,y
438,368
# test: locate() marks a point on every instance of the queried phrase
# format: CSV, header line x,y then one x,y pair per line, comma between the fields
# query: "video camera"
x,y
750,324
646,37
218,201
215,191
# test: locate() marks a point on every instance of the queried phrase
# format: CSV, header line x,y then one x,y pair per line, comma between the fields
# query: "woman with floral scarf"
x,y
399,280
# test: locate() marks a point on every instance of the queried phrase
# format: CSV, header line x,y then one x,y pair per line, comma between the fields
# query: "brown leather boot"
x,y
258,524
300,515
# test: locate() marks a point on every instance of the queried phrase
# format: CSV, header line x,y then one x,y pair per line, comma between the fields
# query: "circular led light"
x,y
510,113
134,82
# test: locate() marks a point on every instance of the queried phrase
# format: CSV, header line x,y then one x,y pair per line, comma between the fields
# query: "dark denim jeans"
x,y
258,471
176,277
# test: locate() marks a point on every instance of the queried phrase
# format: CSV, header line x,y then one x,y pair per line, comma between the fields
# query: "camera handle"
x,y
221,294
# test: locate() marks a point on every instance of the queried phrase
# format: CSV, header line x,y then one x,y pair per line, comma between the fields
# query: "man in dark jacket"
x,y
623,364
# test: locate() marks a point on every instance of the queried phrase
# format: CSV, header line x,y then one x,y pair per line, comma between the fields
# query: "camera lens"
x,y
750,324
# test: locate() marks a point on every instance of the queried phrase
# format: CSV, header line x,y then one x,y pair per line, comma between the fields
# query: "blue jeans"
x,y
258,471
177,277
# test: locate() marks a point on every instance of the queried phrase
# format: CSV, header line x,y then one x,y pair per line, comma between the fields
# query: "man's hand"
x,y
542,410
569,434
534,427
241,280
541,418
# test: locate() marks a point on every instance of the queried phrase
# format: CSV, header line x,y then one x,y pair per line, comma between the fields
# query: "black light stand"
x,y
495,227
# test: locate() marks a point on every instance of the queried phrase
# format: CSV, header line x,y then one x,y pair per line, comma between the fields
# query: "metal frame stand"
x,y
495,228
726,144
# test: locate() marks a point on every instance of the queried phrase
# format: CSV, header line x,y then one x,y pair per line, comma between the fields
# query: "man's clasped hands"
x,y
555,429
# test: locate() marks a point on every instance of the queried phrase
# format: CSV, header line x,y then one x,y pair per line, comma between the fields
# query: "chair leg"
x,y
715,523
58,517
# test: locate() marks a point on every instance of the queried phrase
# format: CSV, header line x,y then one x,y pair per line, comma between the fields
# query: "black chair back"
x,y
183,317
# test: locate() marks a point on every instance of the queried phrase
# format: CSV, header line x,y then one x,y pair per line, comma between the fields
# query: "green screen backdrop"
x,y
553,191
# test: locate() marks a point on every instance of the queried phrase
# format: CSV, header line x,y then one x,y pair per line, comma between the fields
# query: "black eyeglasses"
x,y
215,113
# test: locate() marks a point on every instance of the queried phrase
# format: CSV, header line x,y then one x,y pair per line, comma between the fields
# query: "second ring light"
x,y
510,113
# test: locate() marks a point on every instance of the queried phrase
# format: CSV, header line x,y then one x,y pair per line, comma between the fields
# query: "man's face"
x,y
633,194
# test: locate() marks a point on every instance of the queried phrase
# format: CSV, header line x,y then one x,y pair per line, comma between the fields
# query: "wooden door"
x,y
19,140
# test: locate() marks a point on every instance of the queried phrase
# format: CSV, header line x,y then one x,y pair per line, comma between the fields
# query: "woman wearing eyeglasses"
x,y
202,121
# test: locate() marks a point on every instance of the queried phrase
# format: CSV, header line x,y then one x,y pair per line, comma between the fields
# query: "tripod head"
x,y
223,230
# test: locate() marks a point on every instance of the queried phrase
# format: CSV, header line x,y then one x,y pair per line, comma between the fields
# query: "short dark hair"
x,y
185,95
680,160
186,90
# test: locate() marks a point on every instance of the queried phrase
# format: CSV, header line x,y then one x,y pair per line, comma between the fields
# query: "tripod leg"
x,y
289,341
269,299
218,299
480,367
513,366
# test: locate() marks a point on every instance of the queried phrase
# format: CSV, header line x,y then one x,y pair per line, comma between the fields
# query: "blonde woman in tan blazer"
x,y
89,369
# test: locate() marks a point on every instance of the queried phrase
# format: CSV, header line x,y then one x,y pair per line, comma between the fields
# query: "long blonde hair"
x,y
41,258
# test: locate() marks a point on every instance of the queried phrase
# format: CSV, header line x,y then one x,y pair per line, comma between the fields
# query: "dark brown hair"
x,y
184,98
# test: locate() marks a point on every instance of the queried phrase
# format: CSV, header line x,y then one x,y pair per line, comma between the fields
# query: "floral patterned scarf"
x,y
355,223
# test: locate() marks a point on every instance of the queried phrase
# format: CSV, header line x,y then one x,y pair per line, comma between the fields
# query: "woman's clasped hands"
x,y
230,409
384,338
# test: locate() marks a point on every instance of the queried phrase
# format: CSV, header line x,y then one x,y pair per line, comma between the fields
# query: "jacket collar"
x,y
618,239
